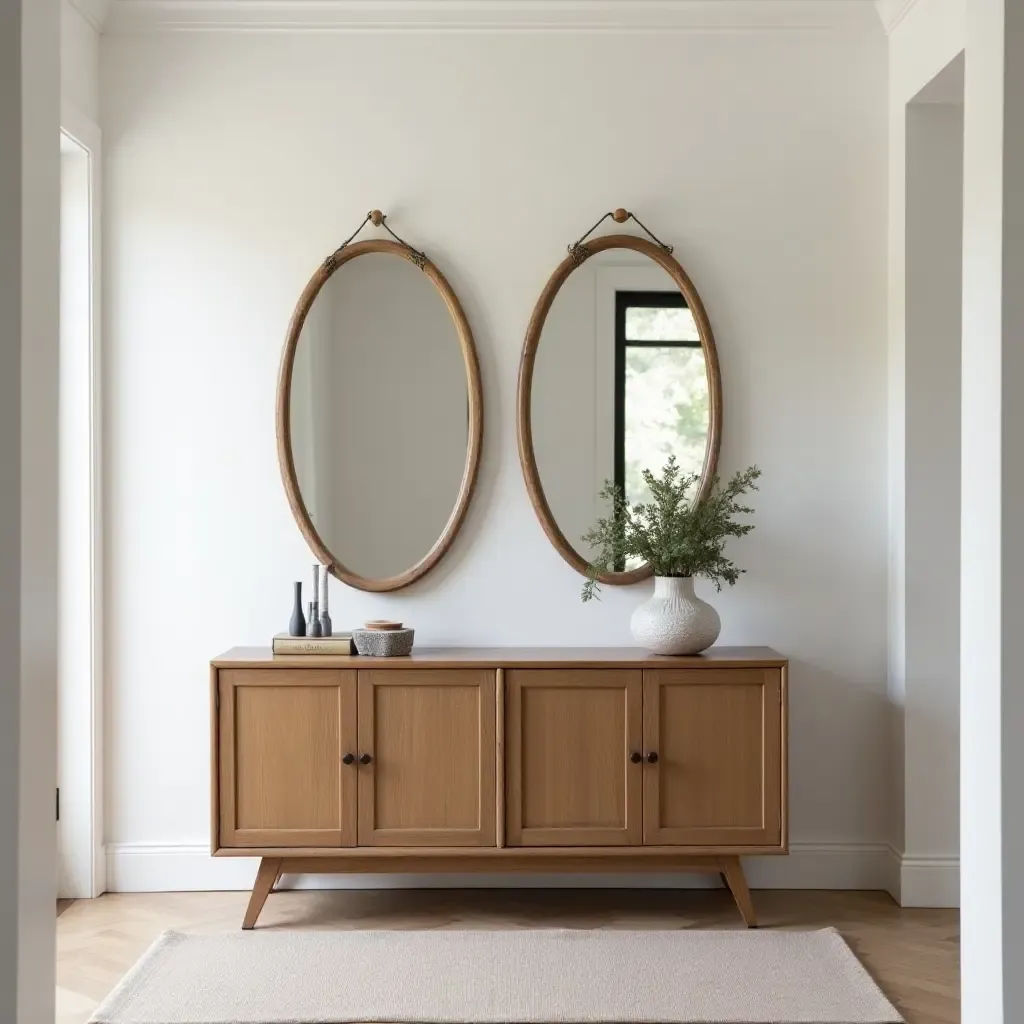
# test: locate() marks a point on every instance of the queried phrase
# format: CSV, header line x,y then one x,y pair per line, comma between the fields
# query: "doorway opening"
x,y
929,821
78,802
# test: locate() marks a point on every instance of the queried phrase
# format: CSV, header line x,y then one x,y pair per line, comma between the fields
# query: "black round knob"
x,y
636,757
349,759
652,757
365,759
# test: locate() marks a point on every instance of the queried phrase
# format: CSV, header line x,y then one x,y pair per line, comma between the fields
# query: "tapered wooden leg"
x,y
732,869
266,876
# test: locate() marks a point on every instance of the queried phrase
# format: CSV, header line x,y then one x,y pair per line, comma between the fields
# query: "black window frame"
x,y
630,300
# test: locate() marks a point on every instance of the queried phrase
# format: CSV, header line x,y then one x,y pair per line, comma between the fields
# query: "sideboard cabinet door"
x,y
569,777
427,758
717,738
283,734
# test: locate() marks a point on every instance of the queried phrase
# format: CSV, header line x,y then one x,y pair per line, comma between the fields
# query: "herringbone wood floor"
x,y
913,954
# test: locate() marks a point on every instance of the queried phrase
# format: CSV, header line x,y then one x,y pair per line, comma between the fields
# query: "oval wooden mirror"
x,y
379,414
627,375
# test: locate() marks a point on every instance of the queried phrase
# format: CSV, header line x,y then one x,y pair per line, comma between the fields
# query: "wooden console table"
x,y
499,759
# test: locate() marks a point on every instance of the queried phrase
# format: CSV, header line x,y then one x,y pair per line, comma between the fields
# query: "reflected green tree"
x,y
667,412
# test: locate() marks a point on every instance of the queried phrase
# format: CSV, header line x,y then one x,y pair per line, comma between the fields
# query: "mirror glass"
x,y
620,383
379,414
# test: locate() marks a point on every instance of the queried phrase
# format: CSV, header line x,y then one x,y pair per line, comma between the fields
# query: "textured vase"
x,y
674,620
297,624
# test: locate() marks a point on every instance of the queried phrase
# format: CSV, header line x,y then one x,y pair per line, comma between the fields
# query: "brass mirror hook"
x,y
579,252
377,219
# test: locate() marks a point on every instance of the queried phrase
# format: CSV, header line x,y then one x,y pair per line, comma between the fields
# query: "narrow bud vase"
x,y
297,624
674,620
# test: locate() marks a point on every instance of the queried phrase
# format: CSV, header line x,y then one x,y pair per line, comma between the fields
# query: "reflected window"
x,y
661,389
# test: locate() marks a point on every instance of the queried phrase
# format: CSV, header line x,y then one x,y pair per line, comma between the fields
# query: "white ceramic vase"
x,y
674,620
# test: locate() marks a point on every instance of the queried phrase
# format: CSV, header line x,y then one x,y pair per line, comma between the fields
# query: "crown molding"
x,y
488,15
94,11
892,12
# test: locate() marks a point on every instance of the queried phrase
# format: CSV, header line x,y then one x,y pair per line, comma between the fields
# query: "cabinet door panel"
x,y
283,733
569,778
718,737
431,736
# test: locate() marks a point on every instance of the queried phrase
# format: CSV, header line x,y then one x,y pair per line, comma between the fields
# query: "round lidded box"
x,y
383,643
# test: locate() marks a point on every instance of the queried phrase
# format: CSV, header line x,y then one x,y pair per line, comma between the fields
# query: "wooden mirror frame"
x,y
527,455
475,418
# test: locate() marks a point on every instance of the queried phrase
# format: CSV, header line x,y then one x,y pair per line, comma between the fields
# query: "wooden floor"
x,y
913,954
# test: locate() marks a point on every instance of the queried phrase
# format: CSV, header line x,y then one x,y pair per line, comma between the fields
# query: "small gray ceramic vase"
x,y
297,623
325,617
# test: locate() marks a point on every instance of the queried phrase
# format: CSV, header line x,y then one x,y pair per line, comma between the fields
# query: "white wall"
x,y
79,702
29,204
934,221
80,840
11,87
923,388
79,62
30,75
992,608
991,33
235,163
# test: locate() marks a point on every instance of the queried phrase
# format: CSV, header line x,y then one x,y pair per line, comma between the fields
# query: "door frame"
x,y
82,869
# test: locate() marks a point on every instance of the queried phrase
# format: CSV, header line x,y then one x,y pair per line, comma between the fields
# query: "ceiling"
x,y
488,15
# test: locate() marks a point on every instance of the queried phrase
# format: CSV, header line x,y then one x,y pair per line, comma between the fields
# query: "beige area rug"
x,y
499,977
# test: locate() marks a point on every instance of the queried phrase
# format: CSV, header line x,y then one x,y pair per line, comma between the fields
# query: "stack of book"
x,y
339,643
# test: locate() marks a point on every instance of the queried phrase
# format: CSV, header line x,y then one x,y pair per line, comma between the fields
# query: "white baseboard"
x,y
928,881
151,867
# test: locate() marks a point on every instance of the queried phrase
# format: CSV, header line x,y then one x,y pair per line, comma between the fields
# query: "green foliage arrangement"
x,y
675,534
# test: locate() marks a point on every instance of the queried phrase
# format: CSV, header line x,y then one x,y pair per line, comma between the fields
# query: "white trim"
x,y
929,881
90,845
94,11
892,12
188,867
488,15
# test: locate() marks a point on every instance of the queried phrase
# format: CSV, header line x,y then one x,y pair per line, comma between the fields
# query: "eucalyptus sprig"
x,y
674,533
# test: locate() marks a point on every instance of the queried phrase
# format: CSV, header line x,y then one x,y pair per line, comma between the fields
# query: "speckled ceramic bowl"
x,y
383,643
